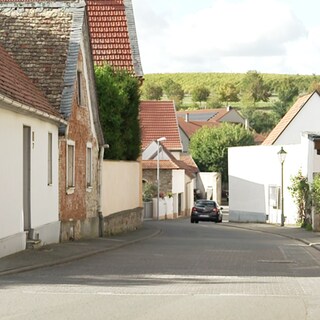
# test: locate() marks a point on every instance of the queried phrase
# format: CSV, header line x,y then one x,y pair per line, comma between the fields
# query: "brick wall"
x,y
81,203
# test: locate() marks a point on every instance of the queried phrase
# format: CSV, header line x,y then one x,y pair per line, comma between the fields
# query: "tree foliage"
x,y
254,89
173,91
287,91
152,91
228,92
209,146
200,94
301,193
261,121
119,100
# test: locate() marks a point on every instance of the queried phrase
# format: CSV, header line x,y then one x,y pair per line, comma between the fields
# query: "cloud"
x,y
227,36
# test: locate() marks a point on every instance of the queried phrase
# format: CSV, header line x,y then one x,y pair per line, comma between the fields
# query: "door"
x,y
26,177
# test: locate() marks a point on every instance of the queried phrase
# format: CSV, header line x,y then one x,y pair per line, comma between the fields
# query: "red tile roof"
x,y
286,120
213,114
158,119
113,34
163,164
190,127
15,85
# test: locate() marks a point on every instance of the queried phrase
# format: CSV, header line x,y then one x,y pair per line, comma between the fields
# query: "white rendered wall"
x,y
44,198
306,120
178,182
251,171
207,181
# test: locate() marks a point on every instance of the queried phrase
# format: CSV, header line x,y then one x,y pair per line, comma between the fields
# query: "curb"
x,y
78,256
310,244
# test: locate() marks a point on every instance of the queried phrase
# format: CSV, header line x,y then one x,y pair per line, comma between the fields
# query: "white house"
x,y
255,172
29,166
177,180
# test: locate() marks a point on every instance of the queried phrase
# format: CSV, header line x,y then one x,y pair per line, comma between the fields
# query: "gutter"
x,y
28,109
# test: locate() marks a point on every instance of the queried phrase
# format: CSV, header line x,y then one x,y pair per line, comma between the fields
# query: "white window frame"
x,y
70,186
50,164
89,166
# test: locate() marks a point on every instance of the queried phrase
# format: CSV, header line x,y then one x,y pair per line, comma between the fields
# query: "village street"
x,y
187,271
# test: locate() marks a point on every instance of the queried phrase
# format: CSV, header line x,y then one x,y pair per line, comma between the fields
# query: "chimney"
x,y
187,117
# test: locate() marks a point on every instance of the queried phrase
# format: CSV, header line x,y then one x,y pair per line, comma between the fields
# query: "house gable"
x,y
302,116
158,119
19,93
113,34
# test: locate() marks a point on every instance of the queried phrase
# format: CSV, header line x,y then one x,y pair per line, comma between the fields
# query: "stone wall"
x,y
165,179
122,222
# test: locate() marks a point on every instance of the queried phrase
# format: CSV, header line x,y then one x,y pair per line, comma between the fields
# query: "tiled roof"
x,y
163,164
190,127
113,34
203,114
15,85
188,160
37,36
158,119
285,121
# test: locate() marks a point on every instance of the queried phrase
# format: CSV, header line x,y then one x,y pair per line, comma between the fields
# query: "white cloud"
x,y
227,36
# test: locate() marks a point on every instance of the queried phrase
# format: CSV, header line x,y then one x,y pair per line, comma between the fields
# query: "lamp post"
x,y
158,174
282,156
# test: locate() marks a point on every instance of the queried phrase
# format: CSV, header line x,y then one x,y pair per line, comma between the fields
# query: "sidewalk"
x,y
59,253
55,254
309,238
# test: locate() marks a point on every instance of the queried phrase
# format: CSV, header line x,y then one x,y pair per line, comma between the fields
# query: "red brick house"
x,y
50,41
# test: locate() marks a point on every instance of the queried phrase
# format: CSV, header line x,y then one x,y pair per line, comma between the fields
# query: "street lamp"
x,y
158,173
282,156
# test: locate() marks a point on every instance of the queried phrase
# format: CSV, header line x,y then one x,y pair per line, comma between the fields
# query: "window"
x,y
49,158
79,87
70,164
89,165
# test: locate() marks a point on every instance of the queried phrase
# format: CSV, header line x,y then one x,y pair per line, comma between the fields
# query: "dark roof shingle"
x,y
15,85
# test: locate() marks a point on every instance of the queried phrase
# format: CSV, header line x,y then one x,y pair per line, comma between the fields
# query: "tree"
x,y
287,91
152,91
173,91
254,89
119,100
279,109
209,146
261,121
200,94
228,92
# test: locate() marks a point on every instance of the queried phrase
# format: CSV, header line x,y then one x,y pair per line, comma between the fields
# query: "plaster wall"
x,y
252,170
121,188
43,197
306,120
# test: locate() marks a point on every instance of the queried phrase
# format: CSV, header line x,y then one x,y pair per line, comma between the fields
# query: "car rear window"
x,y
206,203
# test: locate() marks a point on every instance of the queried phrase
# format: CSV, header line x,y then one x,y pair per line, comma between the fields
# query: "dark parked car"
x,y
206,210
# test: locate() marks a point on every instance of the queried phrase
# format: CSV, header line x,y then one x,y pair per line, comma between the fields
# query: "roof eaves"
x,y
136,60
78,13
270,140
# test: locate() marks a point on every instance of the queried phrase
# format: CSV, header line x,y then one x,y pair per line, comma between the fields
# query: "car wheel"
x,y
196,221
192,221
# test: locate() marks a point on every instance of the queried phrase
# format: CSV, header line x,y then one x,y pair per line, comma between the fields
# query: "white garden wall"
x,y
121,186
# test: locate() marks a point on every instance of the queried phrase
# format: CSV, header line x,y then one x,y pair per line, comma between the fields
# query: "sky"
x,y
268,36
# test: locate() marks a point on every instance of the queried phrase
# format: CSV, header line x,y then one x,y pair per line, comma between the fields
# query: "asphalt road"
x,y
189,271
